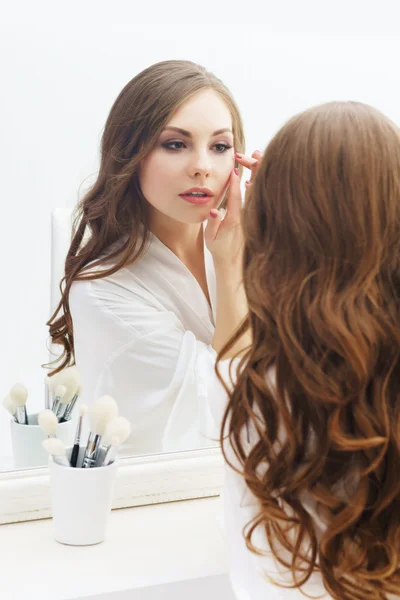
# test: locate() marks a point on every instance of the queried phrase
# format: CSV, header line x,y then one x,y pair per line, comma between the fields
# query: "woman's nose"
x,y
201,164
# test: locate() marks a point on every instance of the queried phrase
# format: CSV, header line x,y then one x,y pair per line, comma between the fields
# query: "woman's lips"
x,y
196,199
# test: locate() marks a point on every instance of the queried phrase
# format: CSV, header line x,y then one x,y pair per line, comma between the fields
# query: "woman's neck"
x,y
185,240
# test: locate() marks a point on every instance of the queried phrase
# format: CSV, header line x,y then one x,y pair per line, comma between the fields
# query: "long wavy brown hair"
x,y
322,278
111,223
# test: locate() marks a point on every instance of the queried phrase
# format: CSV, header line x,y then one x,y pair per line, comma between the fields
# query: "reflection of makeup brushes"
x,y
75,449
102,411
9,405
19,395
71,379
59,394
48,422
117,431
56,448
71,405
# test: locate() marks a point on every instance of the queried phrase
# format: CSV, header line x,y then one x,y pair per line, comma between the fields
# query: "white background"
x,y
62,66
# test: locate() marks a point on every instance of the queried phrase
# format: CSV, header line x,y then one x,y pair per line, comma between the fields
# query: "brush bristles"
x,y
19,394
60,391
48,421
116,441
102,411
9,405
70,378
54,446
119,428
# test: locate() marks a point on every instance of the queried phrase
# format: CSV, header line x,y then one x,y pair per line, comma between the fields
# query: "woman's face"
x,y
195,150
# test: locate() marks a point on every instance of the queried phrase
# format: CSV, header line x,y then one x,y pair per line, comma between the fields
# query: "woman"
x,y
148,301
311,430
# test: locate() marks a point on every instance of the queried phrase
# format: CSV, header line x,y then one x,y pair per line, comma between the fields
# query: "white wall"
x,y
62,69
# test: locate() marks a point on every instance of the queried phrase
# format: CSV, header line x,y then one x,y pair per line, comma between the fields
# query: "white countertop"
x,y
145,546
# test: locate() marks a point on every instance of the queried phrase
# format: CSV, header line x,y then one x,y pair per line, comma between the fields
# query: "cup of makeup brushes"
x,y
27,441
81,499
26,431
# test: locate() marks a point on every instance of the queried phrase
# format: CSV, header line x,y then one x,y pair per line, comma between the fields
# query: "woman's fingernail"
x,y
239,155
236,170
214,213
248,183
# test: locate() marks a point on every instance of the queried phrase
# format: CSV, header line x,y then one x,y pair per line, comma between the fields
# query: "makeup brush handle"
x,y
61,410
101,454
56,404
78,431
70,407
77,441
21,415
110,456
74,455
92,448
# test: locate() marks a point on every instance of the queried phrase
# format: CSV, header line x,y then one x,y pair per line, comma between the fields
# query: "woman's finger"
x,y
245,161
257,155
251,163
254,169
234,203
213,223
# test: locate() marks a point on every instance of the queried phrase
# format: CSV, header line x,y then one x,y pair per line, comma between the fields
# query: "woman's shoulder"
x,y
93,278
118,287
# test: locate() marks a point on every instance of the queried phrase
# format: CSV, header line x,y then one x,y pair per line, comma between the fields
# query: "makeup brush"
x,y
59,393
70,407
75,449
102,411
71,379
9,405
56,448
118,430
48,422
19,395
47,384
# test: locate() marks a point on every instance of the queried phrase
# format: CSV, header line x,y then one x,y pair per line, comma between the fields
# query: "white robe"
x,y
143,336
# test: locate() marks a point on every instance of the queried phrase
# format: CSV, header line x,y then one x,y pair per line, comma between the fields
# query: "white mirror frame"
x,y
25,494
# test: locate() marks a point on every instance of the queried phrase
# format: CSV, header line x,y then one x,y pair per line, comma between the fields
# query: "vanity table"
x,y
170,551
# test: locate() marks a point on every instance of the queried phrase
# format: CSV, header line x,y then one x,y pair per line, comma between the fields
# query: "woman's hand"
x,y
223,237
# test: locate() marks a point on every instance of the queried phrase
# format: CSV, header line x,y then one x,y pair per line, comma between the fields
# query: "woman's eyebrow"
x,y
189,135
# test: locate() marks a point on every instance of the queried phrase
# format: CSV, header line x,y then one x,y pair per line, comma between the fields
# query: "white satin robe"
x,y
143,336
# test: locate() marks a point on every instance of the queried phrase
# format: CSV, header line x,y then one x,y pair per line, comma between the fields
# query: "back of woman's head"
x,y
322,277
111,226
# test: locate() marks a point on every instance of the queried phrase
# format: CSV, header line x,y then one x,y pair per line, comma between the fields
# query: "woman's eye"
x,y
173,145
222,148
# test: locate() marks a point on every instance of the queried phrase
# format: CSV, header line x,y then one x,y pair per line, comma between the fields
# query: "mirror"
x,y
54,114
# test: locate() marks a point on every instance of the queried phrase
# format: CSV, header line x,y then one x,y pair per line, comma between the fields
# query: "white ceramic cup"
x,y
27,441
81,501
